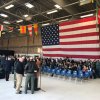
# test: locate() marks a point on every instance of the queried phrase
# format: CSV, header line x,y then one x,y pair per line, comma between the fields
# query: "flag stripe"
x,y
73,56
78,21
80,42
78,28
72,49
72,52
80,39
80,35
78,24
72,46
79,32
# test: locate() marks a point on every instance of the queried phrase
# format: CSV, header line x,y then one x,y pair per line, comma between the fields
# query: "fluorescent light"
x,y
19,21
25,15
57,6
45,24
6,22
3,15
10,6
29,5
63,20
53,11
86,15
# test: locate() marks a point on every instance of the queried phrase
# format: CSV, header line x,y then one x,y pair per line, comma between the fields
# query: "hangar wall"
x,y
22,44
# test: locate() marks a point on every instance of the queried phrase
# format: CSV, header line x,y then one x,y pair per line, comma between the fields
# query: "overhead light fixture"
x,y
3,15
19,21
88,15
45,24
25,15
57,6
63,20
53,11
29,5
10,6
6,22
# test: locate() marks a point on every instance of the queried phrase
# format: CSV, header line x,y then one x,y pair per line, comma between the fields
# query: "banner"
x,y
23,29
30,29
35,29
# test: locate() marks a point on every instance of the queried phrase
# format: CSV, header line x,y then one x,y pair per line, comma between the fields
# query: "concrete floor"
x,y
56,89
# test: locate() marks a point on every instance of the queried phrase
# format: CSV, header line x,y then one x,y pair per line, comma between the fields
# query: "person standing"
x,y
19,75
30,68
8,66
98,68
15,63
38,63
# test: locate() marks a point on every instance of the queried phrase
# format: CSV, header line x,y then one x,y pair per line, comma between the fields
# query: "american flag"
x,y
78,39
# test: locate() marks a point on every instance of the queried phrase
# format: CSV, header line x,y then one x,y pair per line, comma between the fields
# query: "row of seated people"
x,y
69,64
71,71
68,72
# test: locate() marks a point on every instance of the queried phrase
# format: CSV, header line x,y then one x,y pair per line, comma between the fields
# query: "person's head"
x,y
9,58
21,59
31,58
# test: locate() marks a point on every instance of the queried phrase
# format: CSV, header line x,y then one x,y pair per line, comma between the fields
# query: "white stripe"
x,y
79,32
73,46
30,32
0,33
77,59
72,53
29,28
80,39
78,25
98,16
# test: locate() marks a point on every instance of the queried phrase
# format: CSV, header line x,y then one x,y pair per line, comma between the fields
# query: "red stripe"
x,y
23,29
80,42
79,35
35,29
77,21
77,28
29,26
30,30
72,49
72,56
30,34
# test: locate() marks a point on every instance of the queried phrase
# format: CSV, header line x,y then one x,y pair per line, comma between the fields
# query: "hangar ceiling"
x,y
38,11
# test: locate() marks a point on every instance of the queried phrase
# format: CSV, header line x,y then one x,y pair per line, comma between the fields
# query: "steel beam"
x,y
6,4
63,5
69,16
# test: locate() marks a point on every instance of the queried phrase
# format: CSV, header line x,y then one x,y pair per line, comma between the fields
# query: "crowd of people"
x,y
30,67
20,66
74,65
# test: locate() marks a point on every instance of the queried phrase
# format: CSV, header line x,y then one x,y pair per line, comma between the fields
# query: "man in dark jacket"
x,y
98,68
15,63
19,74
8,66
30,68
